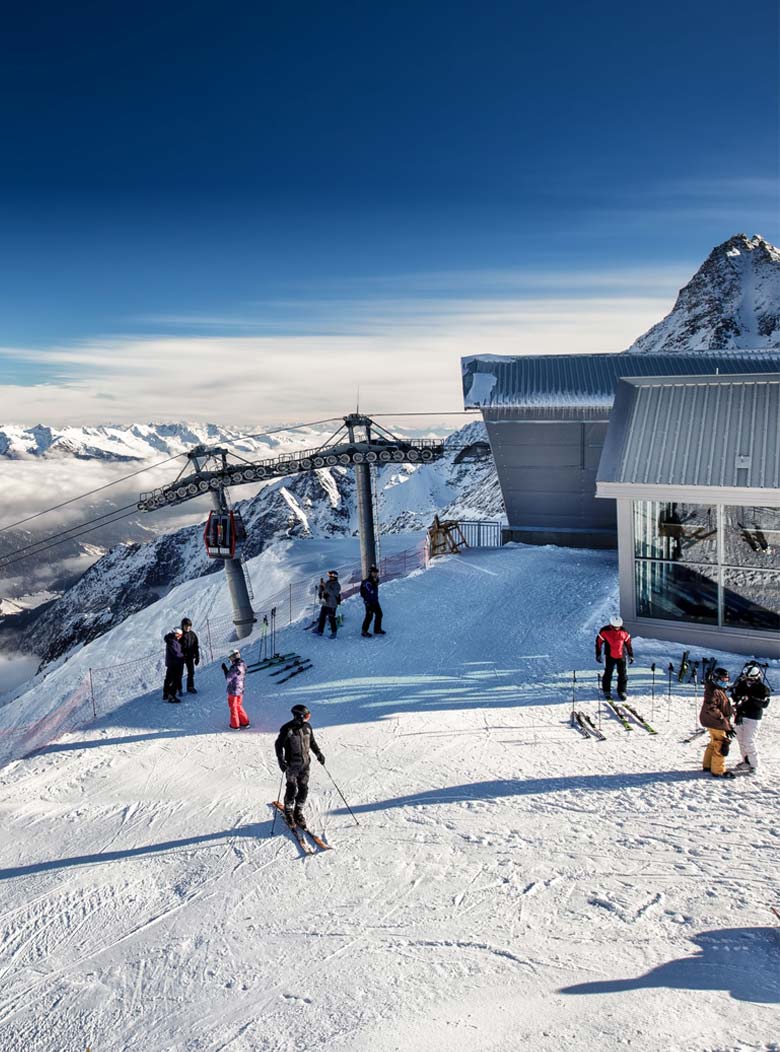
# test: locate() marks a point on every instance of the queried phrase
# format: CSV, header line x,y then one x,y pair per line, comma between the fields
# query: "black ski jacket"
x,y
295,743
751,697
189,646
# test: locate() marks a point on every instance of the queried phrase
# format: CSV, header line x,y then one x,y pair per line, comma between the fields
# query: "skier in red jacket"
x,y
616,643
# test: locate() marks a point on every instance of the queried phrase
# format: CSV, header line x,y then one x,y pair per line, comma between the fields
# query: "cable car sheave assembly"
x,y
359,443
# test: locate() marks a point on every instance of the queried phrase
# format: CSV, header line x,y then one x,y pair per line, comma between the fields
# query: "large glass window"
x,y
685,533
677,593
708,564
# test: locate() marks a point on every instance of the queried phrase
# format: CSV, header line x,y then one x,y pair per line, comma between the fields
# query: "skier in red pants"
x,y
235,676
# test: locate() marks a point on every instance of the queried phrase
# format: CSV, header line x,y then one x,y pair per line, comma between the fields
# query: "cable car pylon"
x,y
224,530
360,443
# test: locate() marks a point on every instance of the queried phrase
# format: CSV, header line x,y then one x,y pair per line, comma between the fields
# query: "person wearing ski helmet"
x,y
174,665
615,642
294,746
190,648
235,677
751,696
716,714
369,593
330,597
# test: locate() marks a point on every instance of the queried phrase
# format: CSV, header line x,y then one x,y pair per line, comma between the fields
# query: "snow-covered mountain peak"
x,y
731,303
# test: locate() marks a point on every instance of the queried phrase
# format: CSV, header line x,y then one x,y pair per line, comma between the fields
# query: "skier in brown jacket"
x,y
716,714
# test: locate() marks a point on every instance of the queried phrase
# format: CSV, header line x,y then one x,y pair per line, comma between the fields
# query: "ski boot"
x,y
622,695
289,817
607,695
299,819
366,635
380,632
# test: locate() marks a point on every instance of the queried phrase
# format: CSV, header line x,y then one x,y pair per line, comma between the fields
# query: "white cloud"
x,y
403,354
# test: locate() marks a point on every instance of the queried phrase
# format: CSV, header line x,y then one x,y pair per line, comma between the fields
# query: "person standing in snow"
x,y
716,713
330,597
369,593
236,677
751,696
294,746
616,644
191,651
174,666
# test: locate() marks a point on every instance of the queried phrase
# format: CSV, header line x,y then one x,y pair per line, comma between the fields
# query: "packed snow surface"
x,y
510,885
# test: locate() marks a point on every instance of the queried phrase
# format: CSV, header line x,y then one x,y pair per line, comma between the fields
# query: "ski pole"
x,y
276,809
341,795
573,689
652,693
669,694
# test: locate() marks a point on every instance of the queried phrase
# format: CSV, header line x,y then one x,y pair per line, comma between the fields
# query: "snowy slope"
x,y
316,504
731,303
510,885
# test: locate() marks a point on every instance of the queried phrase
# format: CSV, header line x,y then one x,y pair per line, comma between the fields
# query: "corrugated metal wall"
x,y
547,473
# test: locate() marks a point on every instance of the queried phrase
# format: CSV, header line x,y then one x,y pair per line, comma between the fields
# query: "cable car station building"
x,y
550,423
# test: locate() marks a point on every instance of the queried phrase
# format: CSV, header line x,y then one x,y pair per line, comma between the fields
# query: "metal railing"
x,y
480,533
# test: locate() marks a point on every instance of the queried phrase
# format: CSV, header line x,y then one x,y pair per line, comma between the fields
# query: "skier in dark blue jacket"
x,y
174,665
369,592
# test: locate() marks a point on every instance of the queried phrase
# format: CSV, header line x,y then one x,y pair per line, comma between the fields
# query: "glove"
x,y
321,758
600,659
197,660
282,766
225,669
731,733
631,661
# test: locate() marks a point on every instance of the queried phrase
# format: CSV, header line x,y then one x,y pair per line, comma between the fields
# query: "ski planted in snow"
x,y
591,727
707,668
640,719
682,671
616,709
295,672
305,847
693,675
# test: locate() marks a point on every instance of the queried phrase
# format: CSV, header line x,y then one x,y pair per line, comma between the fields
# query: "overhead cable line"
x,y
296,427
62,534
90,529
89,493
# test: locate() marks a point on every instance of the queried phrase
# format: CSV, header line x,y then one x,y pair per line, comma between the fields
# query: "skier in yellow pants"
x,y
716,713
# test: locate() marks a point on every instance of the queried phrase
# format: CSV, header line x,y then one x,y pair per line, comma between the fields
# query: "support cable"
x,y
81,496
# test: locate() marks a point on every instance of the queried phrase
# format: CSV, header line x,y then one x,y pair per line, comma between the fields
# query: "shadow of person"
x,y
742,961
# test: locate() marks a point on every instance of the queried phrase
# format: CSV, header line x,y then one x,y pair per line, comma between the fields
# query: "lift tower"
x,y
227,530
359,443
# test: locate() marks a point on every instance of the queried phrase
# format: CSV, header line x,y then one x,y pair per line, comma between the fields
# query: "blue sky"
x,y
281,180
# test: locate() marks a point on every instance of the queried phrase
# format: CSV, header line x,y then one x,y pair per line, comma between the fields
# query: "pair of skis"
x,y
297,660
272,662
303,667
300,834
582,722
626,713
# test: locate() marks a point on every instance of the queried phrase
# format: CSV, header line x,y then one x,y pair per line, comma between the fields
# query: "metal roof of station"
x,y
713,433
582,386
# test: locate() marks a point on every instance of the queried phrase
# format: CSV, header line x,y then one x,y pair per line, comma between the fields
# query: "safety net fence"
x,y
101,690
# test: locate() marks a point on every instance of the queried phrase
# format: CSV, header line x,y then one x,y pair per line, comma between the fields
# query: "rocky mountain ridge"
x,y
731,303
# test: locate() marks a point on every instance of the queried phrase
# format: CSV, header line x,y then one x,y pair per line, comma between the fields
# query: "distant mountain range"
x,y
731,303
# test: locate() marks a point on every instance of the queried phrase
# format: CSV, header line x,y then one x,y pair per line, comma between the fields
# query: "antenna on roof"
x,y
357,400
